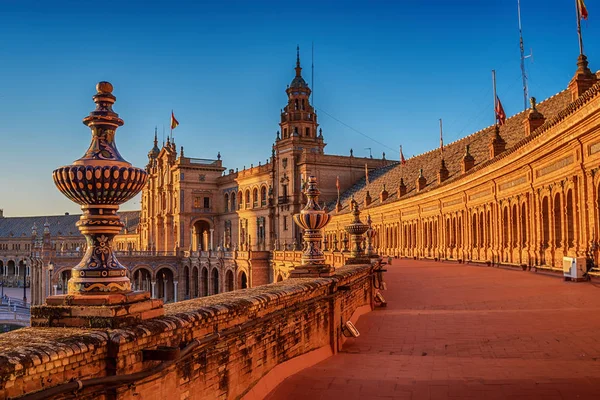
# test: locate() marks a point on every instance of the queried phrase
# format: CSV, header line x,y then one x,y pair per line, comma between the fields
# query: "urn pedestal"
x,y
99,291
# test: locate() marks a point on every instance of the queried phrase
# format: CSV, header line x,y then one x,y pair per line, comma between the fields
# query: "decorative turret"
x,y
534,119
153,153
401,188
497,144
34,230
583,80
443,173
468,160
421,181
383,195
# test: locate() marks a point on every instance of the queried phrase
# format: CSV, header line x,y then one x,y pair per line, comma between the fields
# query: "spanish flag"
x,y
583,12
174,122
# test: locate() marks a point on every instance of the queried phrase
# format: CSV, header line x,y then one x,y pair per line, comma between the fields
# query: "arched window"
x,y
515,222
204,281
240,200
474,230
229,281
570,220
255,198
481,243
263,196
247,205
545,222
232,202
557,222
226,201
505,226
523,226
215,281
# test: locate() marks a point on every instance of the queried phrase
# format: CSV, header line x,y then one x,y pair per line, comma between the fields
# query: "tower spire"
x,y
156,136
298,67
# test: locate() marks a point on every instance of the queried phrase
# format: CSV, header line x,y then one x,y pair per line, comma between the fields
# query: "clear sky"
x,y
388,69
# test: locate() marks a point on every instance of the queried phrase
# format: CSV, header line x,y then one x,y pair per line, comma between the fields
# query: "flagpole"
x,y
522,48
171,125
579,27
495,97
441,139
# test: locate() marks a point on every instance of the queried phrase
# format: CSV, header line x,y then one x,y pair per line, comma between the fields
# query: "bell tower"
x,y
298,126
298,135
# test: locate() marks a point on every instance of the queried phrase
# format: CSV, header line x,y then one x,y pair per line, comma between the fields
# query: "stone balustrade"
x,y
235,344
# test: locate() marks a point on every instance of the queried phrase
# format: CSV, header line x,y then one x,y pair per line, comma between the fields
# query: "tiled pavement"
x,y
454,331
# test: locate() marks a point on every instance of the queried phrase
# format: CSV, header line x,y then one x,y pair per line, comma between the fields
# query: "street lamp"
x,y
50,269
24,282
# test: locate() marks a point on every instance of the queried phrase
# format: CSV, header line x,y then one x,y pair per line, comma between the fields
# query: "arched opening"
x,y
514,224
164,281
255,198
63,282
570,220
201,235
474,231
226,202
232,208
239,199
204,282
142,279
11,268
247,205
215,281
545,222
229,281
2,270
243,280
186,281
489,228
505,227
263,196
523,225
557,222
481,244
195,283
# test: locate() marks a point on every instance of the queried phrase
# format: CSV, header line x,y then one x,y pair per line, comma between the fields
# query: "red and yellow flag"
x,y
174,122
583,12
500,114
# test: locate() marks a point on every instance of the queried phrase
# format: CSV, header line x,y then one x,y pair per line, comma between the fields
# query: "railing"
x,y
202,210
283,199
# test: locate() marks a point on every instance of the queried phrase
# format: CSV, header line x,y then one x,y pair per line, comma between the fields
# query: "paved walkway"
x,y
454,331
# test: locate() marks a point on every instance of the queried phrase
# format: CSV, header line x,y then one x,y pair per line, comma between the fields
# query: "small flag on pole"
x,y
583,12
500,114
366,174
402,160
441,139
174,122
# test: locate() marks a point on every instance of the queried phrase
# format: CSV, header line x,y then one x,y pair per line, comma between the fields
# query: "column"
x,y
175,288
212,231
55,288
153,283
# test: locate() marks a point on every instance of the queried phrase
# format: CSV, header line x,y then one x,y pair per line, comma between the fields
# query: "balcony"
x,y
201,210
283,199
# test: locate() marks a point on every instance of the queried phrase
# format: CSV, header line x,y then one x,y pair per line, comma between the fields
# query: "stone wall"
x,y
230,341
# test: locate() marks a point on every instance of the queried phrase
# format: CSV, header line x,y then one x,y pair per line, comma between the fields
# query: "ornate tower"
x,y
298,133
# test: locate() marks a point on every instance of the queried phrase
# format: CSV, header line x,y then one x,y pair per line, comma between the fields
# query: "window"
x,y
285,224
247,198
196,202
307,132
232,201
206,202
255,198
263,196
226,202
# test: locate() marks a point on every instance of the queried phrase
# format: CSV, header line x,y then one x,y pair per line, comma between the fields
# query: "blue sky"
x,y
389,69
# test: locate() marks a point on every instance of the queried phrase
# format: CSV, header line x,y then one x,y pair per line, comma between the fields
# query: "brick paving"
x,y
454,331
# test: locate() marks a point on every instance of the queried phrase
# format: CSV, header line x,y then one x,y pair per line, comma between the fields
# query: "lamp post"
x,y
50,269
24,282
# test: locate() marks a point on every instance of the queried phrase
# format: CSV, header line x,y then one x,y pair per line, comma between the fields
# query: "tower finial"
x,y
156,136
298,67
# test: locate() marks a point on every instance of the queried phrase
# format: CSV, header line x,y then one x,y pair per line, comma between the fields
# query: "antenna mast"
x,y
522,47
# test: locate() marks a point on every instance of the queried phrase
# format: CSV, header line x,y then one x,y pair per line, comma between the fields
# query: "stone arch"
x,y
186,282
255,197
240,200
505,226
523,225
226,202
545,222
263,195
195,282
570,220
557,221
481,230
141,278
242,280
201,232
165,277
204,281
514,226
229,281
247,199
214,277
11,268
232,199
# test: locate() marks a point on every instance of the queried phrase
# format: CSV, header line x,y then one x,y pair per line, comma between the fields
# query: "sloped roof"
x,y
513,131
59,225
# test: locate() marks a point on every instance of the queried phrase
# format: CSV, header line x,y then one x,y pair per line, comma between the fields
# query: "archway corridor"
x,y
456,331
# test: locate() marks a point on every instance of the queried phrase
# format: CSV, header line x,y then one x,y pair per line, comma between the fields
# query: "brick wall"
x,y
244,335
